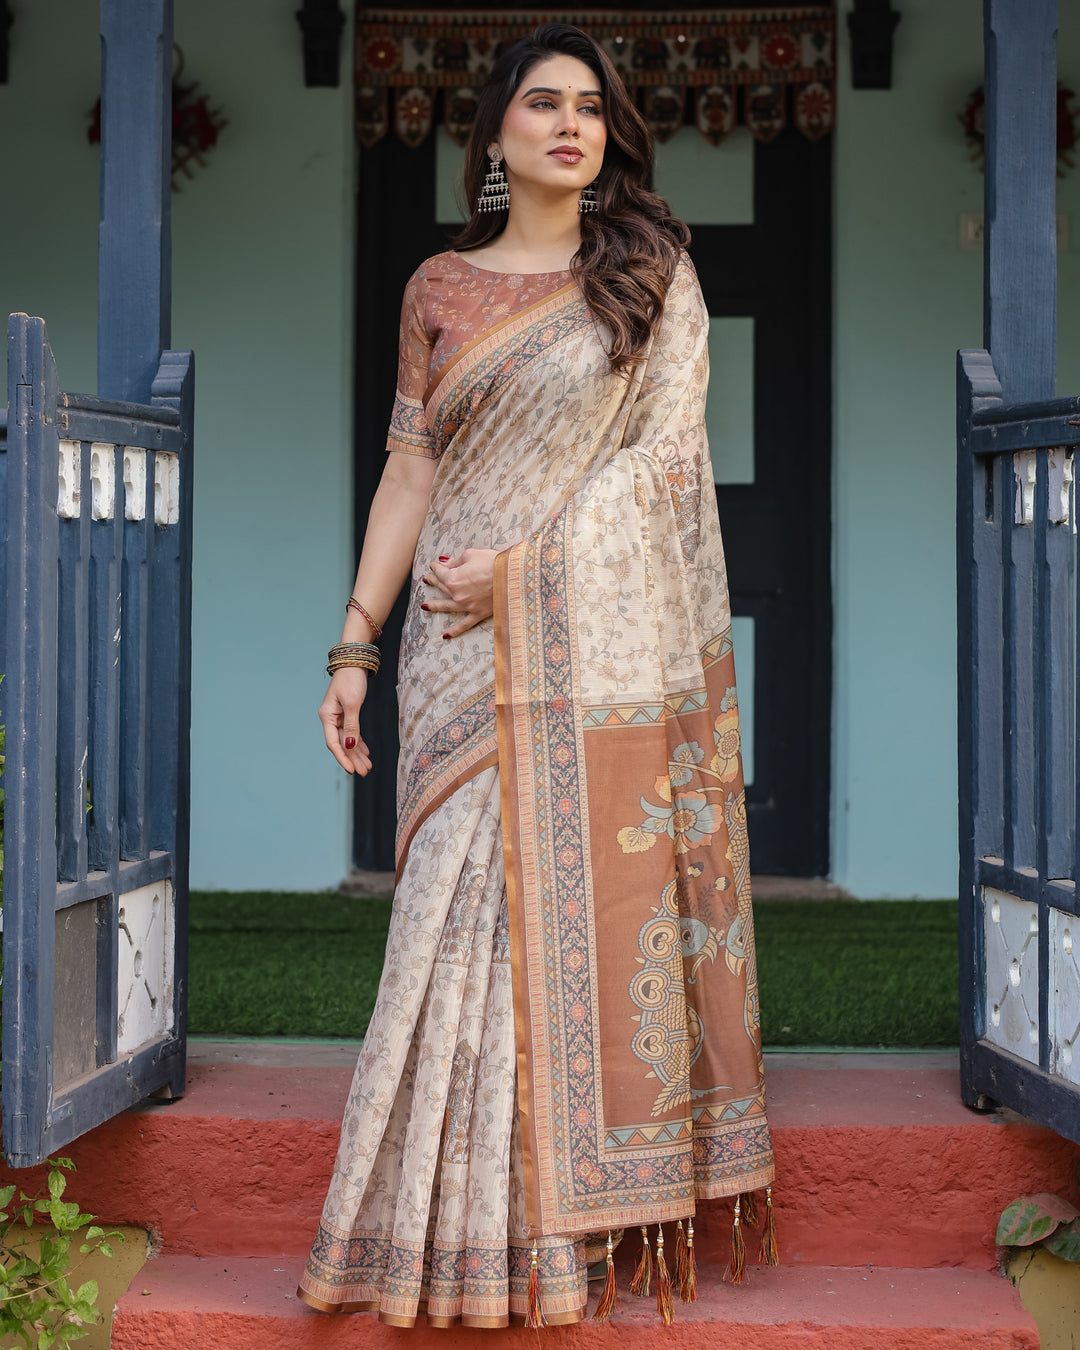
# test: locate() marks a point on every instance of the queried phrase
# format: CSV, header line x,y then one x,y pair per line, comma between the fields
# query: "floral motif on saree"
x,y
566,1037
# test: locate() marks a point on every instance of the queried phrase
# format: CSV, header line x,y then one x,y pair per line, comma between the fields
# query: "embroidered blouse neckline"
x,y
492,271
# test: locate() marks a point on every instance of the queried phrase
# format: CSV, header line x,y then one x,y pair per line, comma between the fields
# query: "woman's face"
x,y
553,131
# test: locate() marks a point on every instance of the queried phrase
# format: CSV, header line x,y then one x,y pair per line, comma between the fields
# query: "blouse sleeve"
x,y
409,429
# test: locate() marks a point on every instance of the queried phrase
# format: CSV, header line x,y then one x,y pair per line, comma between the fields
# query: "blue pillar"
x,y
1020,263
134,239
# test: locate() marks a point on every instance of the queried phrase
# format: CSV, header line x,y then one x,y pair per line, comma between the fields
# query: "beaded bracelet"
x,y
365,655
353,603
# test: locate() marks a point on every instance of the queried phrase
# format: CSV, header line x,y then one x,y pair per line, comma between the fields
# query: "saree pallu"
x,y
566,1038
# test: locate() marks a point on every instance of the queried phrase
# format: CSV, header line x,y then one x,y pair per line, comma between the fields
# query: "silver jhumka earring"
x,y
495,194
587,201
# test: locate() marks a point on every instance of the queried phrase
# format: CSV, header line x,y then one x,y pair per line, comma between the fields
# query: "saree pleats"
x,y
566,1037
427,1195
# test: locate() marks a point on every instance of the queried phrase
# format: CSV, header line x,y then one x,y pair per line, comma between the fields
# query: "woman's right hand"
x,y
339,714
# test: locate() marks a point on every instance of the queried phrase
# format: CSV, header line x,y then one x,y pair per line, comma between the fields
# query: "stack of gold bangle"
x,y
365,655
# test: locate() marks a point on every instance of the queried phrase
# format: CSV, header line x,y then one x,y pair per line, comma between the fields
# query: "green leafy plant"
x,y
37,1301
1043,1220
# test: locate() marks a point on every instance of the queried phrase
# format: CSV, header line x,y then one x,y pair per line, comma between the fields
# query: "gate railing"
x,y
96,695
1018,771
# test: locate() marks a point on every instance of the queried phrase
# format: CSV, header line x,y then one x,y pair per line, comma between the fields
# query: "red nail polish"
x,y
442,559
425,607
446,635
350,742
425,581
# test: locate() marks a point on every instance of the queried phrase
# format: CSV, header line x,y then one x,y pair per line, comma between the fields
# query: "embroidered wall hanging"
x,y
754,67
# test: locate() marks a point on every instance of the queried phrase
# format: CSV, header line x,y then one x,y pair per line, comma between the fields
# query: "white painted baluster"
x,y
1024,468
166,488
102,480
134,483
1059,475
69,485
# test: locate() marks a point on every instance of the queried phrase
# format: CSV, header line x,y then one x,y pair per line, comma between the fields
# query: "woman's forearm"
x,y
394,523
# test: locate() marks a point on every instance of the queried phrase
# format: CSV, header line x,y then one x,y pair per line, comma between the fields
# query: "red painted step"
x,y
241,1303
877,1161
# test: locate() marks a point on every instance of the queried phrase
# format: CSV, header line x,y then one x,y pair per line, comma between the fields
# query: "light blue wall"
x,y
262,288
906,298
263,291
49,207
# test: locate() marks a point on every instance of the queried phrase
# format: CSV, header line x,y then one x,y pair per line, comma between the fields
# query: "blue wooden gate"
x,y
95,653
96,701
1017,613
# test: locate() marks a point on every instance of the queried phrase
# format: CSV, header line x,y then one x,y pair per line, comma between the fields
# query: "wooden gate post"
x,y
134,239
1020,249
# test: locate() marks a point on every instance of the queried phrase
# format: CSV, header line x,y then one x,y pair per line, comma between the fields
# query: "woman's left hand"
x,y
463,585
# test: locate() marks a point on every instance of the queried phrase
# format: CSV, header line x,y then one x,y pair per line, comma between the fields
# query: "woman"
x,y
565,1041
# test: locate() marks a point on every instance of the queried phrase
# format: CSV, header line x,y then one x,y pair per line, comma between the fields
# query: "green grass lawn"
x,y
832,972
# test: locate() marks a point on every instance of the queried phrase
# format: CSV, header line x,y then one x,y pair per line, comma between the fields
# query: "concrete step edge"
x,y
247,1302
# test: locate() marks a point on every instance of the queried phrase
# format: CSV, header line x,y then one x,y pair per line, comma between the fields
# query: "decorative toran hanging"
x,y
754,67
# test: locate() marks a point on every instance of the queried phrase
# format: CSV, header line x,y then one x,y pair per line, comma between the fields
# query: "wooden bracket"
x,y
872,23
322,23
6,20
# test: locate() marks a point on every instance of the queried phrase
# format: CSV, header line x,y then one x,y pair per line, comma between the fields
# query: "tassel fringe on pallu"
x,y
663,1280
684,1280
687,1280
738,1246
768,1254
606,1306
680,1257
643,1275
534,1309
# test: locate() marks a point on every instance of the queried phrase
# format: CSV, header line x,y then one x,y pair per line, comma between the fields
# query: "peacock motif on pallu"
x,y
695,919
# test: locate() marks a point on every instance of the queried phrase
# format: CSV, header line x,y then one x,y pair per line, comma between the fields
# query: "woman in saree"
x,y
565,1043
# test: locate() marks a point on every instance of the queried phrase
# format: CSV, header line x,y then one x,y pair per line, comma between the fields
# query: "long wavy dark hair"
x,y
630,245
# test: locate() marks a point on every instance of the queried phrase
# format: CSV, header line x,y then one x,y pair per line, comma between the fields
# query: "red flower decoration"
x,y
780,51
195,126
817,103
382,54
973,120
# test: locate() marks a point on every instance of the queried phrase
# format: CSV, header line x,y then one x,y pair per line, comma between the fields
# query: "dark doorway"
x,y
776,523
777,528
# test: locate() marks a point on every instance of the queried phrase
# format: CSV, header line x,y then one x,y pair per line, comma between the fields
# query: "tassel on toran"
x,y
534,1309
738,1246
749,1208
606,1306
680,1257
768,1254
643,1275
663,1281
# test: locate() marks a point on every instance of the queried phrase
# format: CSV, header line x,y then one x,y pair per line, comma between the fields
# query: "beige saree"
x,y
566,1036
